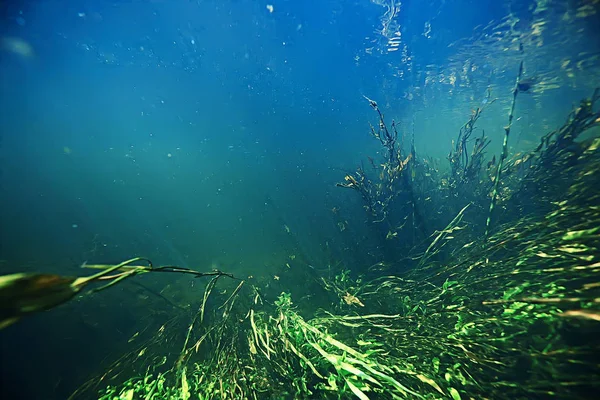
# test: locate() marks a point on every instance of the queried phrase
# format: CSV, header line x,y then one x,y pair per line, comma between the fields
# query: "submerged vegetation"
x,y
507,311
474,275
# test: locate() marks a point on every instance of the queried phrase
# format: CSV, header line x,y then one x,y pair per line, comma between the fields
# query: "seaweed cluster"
x,y
515,314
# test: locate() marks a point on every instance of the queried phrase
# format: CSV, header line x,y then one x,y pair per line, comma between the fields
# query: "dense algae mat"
x,y
514,316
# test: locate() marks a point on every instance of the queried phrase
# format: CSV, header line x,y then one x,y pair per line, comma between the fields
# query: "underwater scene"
x,y
299,199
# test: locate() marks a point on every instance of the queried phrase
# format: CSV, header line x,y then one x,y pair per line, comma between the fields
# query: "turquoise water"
x,y
211,134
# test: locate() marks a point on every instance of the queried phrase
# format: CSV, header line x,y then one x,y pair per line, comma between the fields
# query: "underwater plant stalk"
x,y
413,153
504,153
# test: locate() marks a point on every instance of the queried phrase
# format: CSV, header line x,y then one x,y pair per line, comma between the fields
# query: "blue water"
x,y
204,133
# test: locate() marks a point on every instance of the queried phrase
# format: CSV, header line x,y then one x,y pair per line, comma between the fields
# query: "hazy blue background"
x,y
180,119
195,132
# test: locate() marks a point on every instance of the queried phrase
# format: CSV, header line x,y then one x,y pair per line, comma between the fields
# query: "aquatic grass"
x,y
513,316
